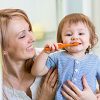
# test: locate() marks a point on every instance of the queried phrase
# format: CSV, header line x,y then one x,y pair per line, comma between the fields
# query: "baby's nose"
x,y
74,38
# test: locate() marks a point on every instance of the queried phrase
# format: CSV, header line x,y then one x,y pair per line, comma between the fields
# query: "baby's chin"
x,y
74,49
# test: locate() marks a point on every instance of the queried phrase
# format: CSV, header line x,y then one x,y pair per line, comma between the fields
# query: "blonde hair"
x,y
74,18
5,16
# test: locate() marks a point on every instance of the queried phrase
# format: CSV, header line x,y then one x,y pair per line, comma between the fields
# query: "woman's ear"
x,y
5,52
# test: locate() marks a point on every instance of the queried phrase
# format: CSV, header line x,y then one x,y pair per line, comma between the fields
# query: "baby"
x,y
73,61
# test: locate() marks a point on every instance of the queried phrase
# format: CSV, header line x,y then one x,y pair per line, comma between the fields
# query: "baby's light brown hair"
x,y
74,18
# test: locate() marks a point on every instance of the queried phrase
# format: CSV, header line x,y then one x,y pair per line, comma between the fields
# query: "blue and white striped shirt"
x,y
70,68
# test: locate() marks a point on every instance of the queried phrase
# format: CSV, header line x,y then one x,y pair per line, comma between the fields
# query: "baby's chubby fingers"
x,y
51,47
56,46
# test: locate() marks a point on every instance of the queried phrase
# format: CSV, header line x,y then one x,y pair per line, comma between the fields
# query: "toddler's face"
x,y
76,33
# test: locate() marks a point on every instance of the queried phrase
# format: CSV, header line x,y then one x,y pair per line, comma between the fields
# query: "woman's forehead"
x,y
16,19
17,24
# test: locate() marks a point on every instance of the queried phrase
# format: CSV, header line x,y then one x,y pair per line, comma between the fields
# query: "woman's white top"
x,y
13,94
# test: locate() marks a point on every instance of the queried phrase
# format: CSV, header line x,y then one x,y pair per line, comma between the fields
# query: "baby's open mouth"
x,y
75,44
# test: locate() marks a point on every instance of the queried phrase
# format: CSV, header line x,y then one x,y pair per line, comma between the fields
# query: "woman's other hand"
x,y
49,85
98,96
76,94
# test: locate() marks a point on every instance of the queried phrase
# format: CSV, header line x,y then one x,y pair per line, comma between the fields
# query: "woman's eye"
x,y
22,35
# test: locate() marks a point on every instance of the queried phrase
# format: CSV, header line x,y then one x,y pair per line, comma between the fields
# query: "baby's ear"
x,y
88,49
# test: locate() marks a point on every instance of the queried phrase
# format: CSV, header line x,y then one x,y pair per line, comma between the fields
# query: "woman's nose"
x,y
32,38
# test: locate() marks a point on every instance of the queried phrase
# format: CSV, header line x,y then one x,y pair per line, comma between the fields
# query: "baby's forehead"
x,y
69,24
74,22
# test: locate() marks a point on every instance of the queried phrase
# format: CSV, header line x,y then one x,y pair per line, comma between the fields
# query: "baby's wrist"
x,y
46,52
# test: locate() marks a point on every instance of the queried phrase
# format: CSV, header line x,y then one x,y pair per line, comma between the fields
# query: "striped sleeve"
x,y
51,61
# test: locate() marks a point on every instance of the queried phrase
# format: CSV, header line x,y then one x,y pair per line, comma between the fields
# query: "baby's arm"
x,y
39,67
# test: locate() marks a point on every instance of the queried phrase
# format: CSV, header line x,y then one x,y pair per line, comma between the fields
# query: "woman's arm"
x,y
48,87
76,94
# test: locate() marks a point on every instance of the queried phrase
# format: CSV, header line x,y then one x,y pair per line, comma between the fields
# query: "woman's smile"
x,y
30,48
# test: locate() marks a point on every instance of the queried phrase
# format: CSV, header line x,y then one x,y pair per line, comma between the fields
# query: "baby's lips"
x,y
76,43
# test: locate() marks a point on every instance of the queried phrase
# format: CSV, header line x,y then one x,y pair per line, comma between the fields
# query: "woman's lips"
x,y
30,48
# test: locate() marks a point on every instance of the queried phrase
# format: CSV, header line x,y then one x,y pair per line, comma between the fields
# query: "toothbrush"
x,y
61,45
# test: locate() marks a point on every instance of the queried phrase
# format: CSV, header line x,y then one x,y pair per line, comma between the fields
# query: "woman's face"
x,y
20,39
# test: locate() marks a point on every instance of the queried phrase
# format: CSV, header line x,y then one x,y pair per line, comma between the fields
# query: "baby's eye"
x,y
81,33
68,34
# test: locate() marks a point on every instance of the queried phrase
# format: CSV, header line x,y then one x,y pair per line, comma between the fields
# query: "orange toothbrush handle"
x,y
61,45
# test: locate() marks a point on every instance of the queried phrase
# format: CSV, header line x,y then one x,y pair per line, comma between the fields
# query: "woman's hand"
x,y
76,94
98,96
48,88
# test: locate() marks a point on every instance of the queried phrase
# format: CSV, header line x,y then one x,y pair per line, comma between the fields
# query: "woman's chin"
x,y
31,53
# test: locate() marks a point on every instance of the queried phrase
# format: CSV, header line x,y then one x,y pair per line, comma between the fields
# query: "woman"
x,y
16,41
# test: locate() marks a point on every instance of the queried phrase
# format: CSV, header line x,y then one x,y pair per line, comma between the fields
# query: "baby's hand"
x,y
51,47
